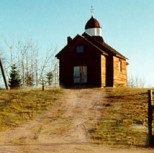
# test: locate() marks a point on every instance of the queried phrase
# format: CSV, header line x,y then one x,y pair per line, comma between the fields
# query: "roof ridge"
x,y
104,44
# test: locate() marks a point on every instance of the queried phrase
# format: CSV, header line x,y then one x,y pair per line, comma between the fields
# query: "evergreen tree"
x,y
49,78
14,80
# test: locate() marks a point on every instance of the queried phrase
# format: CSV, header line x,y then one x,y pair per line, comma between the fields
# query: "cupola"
x,y
93,27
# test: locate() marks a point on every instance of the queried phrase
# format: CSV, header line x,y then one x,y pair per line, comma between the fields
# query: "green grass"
x,y
19,106
124,118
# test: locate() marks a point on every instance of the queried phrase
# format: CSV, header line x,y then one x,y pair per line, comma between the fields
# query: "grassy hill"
x,y
123,119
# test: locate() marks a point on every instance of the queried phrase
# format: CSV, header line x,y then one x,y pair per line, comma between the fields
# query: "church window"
x,y
79,49
80,74
120,65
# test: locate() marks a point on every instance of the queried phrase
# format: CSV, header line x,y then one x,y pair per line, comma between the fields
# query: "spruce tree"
x,y
49,77
14,80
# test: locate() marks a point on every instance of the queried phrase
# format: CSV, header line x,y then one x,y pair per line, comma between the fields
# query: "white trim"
x,y
94,31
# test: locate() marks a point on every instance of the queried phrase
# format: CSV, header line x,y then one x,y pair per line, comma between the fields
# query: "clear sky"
x,y
127,25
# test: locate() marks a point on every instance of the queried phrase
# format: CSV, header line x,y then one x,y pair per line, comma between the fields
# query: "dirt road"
x,y
63,129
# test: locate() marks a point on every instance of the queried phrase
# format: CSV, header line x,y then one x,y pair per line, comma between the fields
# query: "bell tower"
x,y
94,29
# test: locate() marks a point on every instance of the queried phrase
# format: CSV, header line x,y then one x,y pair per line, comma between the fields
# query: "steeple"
x,y
93,28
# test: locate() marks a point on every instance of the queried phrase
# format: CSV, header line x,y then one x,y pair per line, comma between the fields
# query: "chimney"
x,y
69,39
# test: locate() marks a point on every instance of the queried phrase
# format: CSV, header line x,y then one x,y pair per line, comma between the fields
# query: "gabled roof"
x,y
81,38
101,47
104,46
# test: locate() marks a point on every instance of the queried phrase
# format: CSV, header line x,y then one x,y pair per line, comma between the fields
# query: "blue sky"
x,y
127,25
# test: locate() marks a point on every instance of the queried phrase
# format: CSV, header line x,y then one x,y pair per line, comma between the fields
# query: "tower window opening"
x,y
98,32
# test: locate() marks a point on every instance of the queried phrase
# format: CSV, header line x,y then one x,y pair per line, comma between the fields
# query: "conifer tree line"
x,y
26,66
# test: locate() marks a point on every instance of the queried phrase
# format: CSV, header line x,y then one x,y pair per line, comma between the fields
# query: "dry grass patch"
x,y
124,117
19,106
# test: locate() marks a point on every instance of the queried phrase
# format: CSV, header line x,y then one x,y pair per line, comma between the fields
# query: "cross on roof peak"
x,y
92,10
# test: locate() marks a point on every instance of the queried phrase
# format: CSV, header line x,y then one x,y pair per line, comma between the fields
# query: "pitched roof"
x,y
102,47
82,38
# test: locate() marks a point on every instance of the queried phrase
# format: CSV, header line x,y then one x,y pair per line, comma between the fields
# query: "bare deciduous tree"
x,y
136,82
32,64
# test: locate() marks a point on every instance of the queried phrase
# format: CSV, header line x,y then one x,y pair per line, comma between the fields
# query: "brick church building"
x,y
88,61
